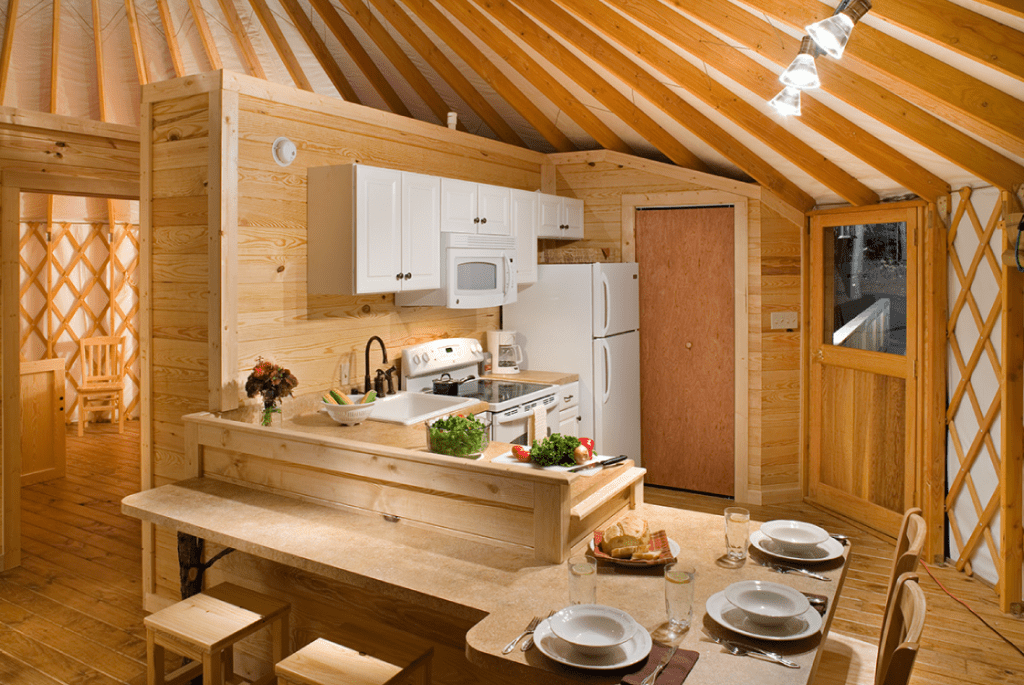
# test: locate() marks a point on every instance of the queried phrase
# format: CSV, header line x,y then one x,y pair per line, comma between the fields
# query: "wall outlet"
x,y
785,320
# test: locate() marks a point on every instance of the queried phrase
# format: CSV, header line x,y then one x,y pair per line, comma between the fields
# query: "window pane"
x,y
869,287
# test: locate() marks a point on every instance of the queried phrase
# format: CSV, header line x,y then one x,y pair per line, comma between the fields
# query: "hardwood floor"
x,y
72,613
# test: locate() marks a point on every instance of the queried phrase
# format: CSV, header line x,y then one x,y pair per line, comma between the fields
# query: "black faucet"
x,y
389,375
366,379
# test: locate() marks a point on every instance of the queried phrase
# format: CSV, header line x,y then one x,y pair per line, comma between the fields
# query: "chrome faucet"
x,y
366,380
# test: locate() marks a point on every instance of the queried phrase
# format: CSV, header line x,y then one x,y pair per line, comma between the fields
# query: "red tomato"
x,y
521,453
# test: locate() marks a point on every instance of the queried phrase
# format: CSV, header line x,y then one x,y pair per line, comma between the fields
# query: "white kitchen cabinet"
x,y
569,409
372,230
560,217
524,228
468,207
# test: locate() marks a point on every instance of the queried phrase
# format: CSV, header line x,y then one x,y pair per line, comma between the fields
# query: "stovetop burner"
x,y
496,392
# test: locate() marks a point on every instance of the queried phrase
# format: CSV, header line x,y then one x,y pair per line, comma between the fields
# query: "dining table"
x,y
639,591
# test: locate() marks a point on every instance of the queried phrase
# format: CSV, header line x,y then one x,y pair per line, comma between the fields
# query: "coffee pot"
x,y
506,356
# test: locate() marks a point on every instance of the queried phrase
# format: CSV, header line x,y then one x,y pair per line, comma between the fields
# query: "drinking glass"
x,y
736,523
582,580
679,580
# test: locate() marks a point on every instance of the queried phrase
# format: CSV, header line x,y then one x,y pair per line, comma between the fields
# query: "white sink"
x,y
407,408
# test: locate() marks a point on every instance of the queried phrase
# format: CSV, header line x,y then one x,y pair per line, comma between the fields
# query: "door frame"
x,y
700,198
12,185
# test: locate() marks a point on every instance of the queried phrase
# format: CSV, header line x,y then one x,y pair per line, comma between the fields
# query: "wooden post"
x,y
10,463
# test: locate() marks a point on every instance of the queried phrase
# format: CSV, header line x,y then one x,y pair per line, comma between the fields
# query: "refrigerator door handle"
x,y
606,287
607,372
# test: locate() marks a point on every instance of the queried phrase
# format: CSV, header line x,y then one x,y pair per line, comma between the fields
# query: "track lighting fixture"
x,y
832,34
801,73
787,103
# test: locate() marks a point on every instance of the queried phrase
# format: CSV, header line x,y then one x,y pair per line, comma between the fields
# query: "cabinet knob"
x,y
484,220
689,345
398,277
476,220
408,276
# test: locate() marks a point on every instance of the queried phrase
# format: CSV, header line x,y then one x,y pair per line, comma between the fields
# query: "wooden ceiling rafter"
x,y
249,56
205,36
5,51
755,33
170,36
447,70
489,72
97,37
320,50
280,43
957,28
576,69
360,56
527,67
54,55
638,44
917,77
761,80
133,29
396,55
1011,6
661,96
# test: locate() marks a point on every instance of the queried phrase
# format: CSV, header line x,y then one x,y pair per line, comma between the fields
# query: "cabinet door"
x,y
550,217
458,206
572,217
568,423
421,231
378,230
524,228
493,208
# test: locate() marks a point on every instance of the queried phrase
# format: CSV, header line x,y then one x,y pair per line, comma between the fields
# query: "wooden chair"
x,y
205,629
322,662
901,633
102,387
909,545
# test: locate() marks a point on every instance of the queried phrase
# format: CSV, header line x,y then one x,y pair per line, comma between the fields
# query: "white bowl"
x,y
794,536
592,628
350,414
769,604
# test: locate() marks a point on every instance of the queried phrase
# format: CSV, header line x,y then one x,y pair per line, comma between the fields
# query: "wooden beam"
x,y
752,32
1011,6
759,79
444,67
359,55
544,81
252,61
209,46
574,68
140,59
396,55
478,62
97,37
928,82
5,51
284,50
637,43
320,50
10,459
172,38
54,55
954,27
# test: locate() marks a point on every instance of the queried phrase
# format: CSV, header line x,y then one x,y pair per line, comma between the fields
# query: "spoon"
x,y
841,538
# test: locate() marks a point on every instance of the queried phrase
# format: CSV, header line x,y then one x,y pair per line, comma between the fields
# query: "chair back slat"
x,y
909,546
901,632
101,359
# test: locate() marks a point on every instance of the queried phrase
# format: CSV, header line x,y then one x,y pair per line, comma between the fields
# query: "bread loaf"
x,y
629,532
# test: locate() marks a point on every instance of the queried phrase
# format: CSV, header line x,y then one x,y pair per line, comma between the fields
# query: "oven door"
x,y
478,278
513,425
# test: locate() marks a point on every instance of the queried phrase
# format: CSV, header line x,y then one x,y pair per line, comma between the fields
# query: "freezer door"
x,y
617,395
616,298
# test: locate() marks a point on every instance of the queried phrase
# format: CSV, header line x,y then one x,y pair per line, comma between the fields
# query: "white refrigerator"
x,y
585,319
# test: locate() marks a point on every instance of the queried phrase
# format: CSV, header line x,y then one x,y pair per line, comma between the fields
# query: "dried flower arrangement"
x,y
271,382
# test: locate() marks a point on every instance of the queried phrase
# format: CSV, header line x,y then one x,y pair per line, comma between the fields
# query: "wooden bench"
x,y
322,662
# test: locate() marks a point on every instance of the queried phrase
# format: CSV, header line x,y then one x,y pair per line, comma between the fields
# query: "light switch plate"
x,y
784,320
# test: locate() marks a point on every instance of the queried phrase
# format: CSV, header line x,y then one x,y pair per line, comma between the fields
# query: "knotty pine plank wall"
x,y
600,179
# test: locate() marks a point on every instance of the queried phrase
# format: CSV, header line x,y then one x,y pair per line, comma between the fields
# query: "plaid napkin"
x,y
675,672
659,541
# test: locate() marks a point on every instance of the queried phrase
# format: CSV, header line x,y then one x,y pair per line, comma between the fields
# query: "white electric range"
x,y
509,403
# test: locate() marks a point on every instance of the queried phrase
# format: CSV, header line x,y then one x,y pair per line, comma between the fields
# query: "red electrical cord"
x,y
987,624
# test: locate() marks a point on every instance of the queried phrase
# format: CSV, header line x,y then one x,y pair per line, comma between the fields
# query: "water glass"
x,y
679,580
737,521
582,580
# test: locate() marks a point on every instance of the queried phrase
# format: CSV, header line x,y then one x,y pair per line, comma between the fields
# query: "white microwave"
x,y
477,271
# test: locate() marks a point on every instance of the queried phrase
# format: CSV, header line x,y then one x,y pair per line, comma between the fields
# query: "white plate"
x,y
826,551
620,656
592,628
725,614
673,547
507,458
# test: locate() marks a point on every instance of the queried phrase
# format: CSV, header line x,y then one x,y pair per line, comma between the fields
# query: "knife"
x,y
649,680
601,464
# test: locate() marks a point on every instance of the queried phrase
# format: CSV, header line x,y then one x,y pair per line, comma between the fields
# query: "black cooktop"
x,y
496,392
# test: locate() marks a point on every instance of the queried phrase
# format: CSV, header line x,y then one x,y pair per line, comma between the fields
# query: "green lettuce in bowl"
x,y
457,436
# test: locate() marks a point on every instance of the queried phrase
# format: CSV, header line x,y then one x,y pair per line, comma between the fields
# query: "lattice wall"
x,y
78,279
974,373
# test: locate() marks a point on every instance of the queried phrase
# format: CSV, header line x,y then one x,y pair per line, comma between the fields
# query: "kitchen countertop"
x,y
530,376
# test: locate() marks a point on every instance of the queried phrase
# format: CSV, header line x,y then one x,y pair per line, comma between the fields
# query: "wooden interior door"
x,y
43,453
864,349
687,346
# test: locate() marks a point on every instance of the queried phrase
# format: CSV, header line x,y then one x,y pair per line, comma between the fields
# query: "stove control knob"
x,y
415,359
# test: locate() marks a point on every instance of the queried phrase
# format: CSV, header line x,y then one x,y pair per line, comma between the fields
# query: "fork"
x,y
649,680
529,631
736,648
779,568
528,642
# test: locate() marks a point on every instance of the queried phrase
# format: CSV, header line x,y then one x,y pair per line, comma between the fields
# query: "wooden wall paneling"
x,y
10,464
146,304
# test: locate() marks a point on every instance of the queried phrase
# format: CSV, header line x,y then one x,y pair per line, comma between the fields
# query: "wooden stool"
x,y
205,628
325,663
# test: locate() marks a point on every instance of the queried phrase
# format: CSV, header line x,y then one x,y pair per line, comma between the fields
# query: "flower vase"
x,y
271,414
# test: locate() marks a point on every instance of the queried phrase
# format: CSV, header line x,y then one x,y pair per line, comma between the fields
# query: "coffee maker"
x,y
506,356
